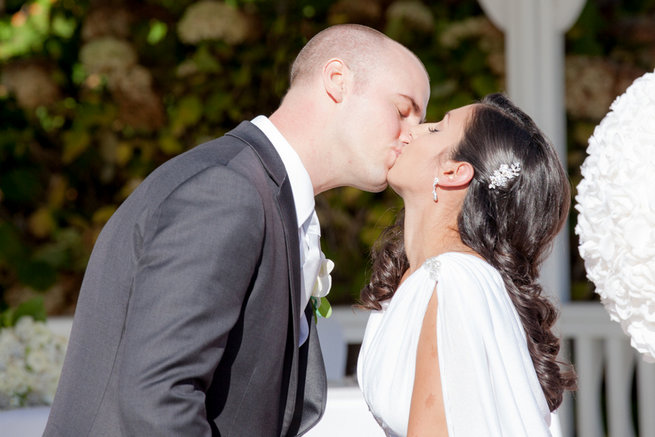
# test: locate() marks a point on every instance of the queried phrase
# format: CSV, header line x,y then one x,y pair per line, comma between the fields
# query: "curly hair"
x,y
512,227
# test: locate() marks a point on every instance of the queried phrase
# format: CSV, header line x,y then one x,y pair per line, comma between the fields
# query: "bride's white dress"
x,y
489,384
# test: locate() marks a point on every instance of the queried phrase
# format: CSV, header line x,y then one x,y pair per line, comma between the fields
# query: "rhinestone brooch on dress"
x,y
433,265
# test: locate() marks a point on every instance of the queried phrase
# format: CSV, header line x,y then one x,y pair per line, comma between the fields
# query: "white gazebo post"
x,y
534,49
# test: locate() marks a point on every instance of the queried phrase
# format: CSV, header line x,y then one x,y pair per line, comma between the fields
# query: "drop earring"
x,y
434,188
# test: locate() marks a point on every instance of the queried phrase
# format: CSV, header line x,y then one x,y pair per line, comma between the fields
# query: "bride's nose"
x,y
414,132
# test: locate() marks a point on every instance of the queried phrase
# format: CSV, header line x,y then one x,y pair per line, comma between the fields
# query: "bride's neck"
x,y
430,230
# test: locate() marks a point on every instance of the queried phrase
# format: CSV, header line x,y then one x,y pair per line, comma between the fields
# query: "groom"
x,y
193,318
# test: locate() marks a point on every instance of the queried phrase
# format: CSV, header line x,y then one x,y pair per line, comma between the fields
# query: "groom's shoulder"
x,y
218,152
227,155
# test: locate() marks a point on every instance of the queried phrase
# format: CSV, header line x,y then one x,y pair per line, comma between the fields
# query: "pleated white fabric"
x,y
489,384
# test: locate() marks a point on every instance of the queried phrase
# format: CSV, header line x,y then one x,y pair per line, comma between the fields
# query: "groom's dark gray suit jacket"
x,y
186,324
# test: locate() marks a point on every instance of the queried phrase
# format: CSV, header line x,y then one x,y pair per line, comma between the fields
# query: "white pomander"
x,y
616,205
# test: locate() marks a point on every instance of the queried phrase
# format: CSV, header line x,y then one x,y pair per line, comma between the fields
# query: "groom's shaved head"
x,y
355,94
359,47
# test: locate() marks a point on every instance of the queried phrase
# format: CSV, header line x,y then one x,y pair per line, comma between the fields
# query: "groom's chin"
x,y
379,188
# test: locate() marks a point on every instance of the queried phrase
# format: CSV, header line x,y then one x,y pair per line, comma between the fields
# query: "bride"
x,y
461,342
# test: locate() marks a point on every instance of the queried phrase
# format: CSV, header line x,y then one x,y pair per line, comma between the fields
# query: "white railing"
x,y
616,388
608,369
605,363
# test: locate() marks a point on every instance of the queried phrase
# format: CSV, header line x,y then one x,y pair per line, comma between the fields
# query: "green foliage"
x,y
27,30
33,308
615,40
93,97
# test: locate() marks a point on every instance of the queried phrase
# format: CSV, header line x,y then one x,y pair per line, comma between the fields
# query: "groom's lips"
x,y
398,151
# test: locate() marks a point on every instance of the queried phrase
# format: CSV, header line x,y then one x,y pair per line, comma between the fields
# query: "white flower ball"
x,y
616,205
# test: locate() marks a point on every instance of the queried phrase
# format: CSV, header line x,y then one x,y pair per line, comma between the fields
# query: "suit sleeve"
x,y
199,254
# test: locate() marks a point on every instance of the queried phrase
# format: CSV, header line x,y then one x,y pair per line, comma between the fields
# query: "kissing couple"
x,y
195,314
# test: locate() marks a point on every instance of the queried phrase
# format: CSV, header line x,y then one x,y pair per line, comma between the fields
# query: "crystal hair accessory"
x,y
503,175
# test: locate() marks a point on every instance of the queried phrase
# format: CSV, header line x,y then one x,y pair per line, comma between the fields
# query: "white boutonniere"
x,y
322,286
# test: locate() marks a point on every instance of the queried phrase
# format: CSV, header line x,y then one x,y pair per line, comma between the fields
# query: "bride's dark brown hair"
x,y
512,228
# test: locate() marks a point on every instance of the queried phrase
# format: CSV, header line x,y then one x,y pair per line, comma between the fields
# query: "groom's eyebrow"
x,y
415,106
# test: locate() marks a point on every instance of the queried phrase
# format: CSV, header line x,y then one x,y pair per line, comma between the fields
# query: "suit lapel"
x,y
312,391
289,216
273,164
251,135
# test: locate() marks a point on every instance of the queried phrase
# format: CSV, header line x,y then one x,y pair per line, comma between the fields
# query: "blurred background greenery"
x,y
95,94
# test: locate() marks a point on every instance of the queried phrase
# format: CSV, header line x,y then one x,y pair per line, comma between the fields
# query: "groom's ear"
x,y
334,79
457,174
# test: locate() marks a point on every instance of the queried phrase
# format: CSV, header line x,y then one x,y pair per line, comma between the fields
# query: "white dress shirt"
x,y
309,230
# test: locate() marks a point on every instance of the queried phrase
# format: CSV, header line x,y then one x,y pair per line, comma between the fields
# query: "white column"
x,y
534,49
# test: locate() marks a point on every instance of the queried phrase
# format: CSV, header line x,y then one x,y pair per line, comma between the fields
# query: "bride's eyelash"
x,y
433,129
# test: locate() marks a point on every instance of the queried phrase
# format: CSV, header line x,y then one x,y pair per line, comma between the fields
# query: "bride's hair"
x,y
511,226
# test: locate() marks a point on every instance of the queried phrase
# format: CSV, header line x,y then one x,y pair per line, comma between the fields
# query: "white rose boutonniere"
x,y
322,286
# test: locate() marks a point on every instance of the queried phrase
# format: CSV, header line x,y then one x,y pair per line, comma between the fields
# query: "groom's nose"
x,y
406,135
412,133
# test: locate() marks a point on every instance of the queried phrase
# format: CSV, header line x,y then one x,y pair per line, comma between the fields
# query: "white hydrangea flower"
x,y
413,12
107,55
616,205
212,20
10,348
31,357
32,84
455,32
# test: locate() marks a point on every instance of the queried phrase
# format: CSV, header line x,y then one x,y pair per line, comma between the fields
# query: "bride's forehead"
x,y
462,111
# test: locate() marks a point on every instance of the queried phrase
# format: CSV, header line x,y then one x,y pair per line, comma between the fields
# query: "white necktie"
x,y
311,259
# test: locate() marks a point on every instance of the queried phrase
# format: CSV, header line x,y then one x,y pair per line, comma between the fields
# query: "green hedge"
x,y
95,95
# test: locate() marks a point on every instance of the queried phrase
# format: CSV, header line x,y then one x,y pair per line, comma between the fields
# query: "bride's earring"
x,y
434,188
